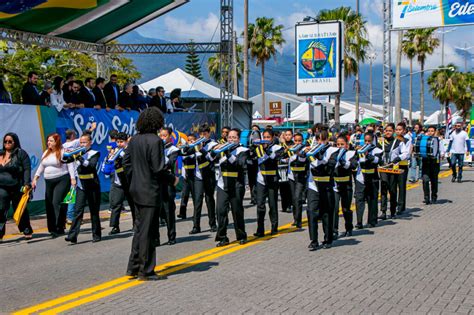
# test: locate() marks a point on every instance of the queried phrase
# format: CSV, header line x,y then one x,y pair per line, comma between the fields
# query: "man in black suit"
x,y
67,88
99,94
112,91
159,99
144,164
29,93
88,94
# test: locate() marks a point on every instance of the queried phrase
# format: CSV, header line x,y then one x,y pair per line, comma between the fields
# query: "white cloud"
x,y
370,8
289,23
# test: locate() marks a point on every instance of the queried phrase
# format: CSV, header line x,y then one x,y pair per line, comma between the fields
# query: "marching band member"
x,y
321,191
357,138
231,187
367,181
297,174
169,183
88,191
119,189
285,190
205,181
224,133
188,172
405,156
430,168
267,182
346,163
392,155
252,166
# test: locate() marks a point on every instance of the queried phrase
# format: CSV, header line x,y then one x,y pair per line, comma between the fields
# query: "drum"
x,y
426,146
283,172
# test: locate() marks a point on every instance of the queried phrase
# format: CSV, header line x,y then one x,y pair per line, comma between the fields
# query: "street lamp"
x,y
442,32
372,56
432,69
465,49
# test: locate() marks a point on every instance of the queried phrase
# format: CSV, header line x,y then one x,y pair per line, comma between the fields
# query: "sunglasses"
x,y
8,142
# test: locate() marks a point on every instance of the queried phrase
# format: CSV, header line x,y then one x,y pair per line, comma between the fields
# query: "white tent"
x,y
303,113
257,115
264,122
439,117
349,118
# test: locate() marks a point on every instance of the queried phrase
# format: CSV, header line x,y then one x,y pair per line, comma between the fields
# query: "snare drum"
x,y
283,173
426,146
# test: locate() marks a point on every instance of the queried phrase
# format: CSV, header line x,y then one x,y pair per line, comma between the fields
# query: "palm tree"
x,y
246,49
408,50
264,38
450,86
424,43
214,62
356,44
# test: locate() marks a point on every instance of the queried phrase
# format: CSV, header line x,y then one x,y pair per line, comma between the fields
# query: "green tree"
x,y
18,59
214,63
356,44
193,64
451,86
408,50
264,38
424,43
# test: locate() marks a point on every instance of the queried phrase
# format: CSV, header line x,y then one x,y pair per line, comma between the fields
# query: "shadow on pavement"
x,y
443,201
190,267
384,223
345,242
362,232
193,238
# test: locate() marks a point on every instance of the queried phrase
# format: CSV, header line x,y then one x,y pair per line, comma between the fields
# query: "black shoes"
x,y
453,179
96,239
327,245
299,226
243,241
434,200
359,226
157,242
181,216
195,231
335,235
258,234
223,242
132,274
214,228
115,230
345,234
313,245
73,240
459,179
171,242
392,216
426,201
274,232
372,225
383,217
153,277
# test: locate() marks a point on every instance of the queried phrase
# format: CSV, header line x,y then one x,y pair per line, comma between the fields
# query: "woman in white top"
x,y
58,177
57,99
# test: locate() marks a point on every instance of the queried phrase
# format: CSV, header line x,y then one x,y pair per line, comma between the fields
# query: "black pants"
x,y
285,195
252,171
389,184
56,191
429,172
117,196
204,189
269,191
326,209
297,193
188,190
168,211
344,197
91,197
402,188
142,259
367,192
11,196
233,200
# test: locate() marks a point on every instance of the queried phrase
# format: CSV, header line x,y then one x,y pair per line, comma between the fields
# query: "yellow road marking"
x,y
117,285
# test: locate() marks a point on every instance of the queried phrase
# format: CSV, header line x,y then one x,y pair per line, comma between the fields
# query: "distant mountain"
x,y
279,75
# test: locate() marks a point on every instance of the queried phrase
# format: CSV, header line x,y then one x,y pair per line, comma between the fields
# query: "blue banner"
x,y
125,121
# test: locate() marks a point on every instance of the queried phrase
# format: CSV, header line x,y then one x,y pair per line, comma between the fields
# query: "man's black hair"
x,y
150,121
204,128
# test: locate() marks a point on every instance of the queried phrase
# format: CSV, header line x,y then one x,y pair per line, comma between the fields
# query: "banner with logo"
x,y
431,13
318,57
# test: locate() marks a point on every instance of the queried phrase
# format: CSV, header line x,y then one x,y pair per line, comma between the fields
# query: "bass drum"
x,y
283,173
426,146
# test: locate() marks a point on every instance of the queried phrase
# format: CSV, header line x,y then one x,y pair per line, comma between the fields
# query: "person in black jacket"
x,y
29,93
144,164
67,88
88,95
98,91
112,92
159,100
87,191
126,100
15,172
297,175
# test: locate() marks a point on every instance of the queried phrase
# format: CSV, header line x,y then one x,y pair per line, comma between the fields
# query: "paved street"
x,y
419,263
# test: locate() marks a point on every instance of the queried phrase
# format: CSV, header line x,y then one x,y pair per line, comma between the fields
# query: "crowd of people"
x,y
322,170
70,93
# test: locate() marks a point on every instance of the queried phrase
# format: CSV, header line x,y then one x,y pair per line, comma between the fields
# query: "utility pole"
x,y
235,65
442,32
398,88
357,85
372,57
246,49
387,64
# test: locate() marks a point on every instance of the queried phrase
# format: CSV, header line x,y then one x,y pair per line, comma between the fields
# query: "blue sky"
x,y
198,20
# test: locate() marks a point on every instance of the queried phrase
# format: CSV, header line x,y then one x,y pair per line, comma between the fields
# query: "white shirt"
x,y
57,100
51,168
458,142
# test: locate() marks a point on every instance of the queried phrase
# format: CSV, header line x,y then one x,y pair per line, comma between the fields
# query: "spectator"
x,y
99,94
159,100
58,177
46,94
30,94
151,94
71,142
5,96
126,98
76,95
67,88
176,102
112,91
15,172
88,94
57,97
139,99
